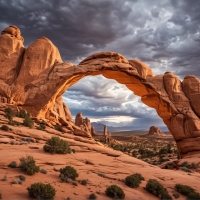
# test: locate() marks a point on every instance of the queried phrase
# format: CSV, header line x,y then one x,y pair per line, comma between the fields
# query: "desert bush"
x,y
13,123
57,145
155,188
28,122
185,169
27,164
92,196
193,165
22,177
41,191
12,142
13,164
193,196
17,181
9,114
58,127
4,178
27,139
134,180
188,191
115,192
84,182
4,128
23,114
44,171
42,126
68,172
0,196
184,164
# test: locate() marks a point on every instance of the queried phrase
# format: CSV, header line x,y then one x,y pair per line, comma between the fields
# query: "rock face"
x,y
155,132
36,78
84,124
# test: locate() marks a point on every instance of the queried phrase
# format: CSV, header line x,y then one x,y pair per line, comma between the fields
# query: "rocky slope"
x,y
99,164
35,79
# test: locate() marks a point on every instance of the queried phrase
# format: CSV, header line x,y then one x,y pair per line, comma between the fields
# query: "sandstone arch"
x,y
42,78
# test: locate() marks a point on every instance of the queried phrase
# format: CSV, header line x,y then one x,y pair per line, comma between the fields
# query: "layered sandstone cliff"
x,y
35,78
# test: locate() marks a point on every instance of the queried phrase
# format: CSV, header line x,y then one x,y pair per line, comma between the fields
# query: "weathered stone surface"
x,y
11,52
39,82
155,132
84,124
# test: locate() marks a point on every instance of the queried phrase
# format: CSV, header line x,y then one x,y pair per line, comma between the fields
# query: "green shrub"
x,y
184,164
193,165
28,165
188,191
42,126
44,171
115,192
92,196
155,188
9,114
22,177
84,182
13,123
68,172
41,191
134,180
57,145
17,181
4,128
28,122
23,114
185,169
58,127
193,195
13,164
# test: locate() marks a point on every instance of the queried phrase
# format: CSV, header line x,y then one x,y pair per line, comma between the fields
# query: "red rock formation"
x,y
155,132
84,124
39,82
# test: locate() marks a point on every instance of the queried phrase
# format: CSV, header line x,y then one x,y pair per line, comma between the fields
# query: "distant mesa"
x,y
35,79
155,132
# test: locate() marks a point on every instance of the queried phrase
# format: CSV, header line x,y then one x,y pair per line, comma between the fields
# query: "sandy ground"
x,y
90,160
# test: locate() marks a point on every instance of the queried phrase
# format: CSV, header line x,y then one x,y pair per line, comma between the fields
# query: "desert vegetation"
x,y
157,189
57,145
151,150
115,192
41,191
28,165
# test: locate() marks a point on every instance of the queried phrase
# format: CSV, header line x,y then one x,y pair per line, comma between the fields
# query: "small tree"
x,y
57,145
68,172
134,180
41,191
28,165
115,192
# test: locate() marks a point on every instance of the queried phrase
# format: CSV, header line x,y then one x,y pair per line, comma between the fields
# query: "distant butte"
x,y
35,79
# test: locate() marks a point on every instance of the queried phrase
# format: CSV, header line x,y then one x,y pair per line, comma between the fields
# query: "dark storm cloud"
x,y
76,27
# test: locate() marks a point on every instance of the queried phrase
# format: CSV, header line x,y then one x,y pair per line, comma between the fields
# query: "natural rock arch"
x,y
41,78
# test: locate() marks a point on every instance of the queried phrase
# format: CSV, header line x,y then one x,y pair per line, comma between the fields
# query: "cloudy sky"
x,y
163,34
